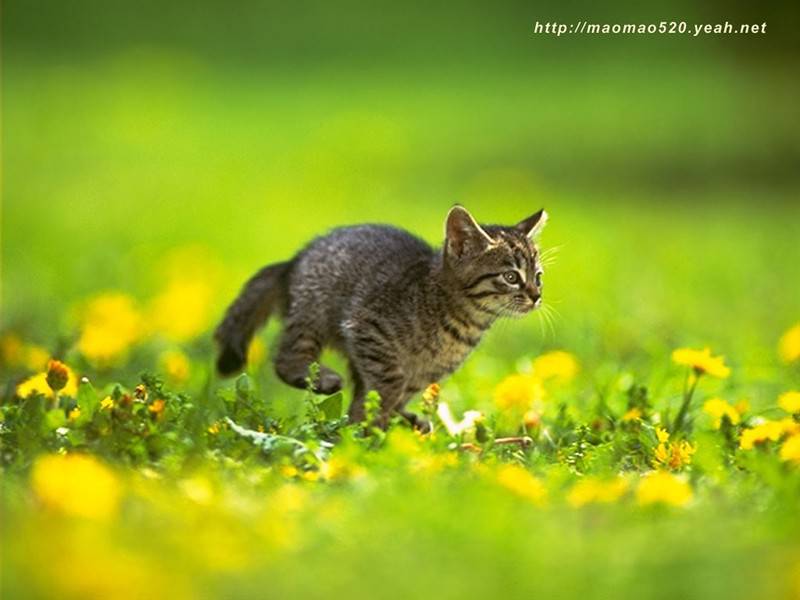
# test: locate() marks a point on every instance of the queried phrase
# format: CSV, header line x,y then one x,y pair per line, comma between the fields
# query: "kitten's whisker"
x,y
551,250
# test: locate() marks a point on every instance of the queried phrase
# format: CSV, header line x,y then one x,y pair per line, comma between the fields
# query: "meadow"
x,y
639,437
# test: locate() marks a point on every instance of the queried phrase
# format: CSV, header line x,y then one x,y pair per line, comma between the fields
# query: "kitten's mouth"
x,y
523,307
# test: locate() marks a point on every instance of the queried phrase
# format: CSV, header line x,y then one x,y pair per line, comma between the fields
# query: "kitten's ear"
x,y
533,225
462,232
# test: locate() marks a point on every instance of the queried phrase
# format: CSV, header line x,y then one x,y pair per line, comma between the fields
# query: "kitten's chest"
x,y
440,353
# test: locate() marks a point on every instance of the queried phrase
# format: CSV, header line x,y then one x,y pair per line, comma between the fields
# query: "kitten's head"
x,y
496,267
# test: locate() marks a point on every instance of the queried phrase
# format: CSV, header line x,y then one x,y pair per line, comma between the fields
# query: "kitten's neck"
x,y
472,313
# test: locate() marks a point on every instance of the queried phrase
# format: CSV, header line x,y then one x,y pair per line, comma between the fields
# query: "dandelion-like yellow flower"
x,y
38,384
661,487
717,408
15,353
555,365
106,403
36,357
702,362
593,490
74,414
532,419
77,485
175,365
632,414
431,393
111,324
522,483
790,402
518,393
339,468
662,435
789,345
183,310
790,449
767,431
673,455
157,407
256,353
11,349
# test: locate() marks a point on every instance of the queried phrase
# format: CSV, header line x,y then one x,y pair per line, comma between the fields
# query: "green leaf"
x,y
331,406
87,401
244,387
54,419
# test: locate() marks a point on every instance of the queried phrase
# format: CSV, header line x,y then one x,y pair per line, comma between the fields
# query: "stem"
x,y
687,400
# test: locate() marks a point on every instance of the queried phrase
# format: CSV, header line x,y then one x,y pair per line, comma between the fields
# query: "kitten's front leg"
x,y
389,382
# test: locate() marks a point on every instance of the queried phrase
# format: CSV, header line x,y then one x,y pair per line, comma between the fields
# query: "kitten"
x,y
404,315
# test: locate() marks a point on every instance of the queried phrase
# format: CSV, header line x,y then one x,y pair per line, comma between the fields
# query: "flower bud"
x,y
57,375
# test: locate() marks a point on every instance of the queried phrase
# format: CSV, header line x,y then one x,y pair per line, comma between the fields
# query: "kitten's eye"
x,y
538,279
511,277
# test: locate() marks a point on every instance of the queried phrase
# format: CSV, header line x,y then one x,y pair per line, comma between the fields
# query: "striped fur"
x,y
404,315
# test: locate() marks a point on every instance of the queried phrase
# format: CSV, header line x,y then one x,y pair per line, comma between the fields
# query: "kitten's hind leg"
x,y
297,350
390,385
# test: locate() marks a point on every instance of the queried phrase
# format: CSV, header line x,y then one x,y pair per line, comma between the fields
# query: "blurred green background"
x,y
668,163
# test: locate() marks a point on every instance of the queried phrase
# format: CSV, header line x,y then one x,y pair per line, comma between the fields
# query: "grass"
x,y
170,180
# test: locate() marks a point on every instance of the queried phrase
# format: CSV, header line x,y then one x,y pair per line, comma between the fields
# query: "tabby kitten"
x,y
404,315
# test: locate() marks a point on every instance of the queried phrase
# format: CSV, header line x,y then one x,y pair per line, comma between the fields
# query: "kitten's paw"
x,y
419,423
329,382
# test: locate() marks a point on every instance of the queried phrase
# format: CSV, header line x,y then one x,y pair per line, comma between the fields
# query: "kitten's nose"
x,y
534,294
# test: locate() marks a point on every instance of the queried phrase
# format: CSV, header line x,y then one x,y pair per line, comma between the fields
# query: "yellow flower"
x,y
157,407
555,365
111,324
432,463
519,481
175,365
15,353
789,345
288,471
790,402
673,455
106,402
36,357
790,450
183,309
661,487
742,406
431,393
339,468
38,384
662,434
198,489
592,489
11,349
702,362
74,414
768,430
77,485
213,429
256,353
633,414
717,408
532,419
518,392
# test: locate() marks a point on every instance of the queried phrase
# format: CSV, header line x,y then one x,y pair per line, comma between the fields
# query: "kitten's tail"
x,y
260,296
